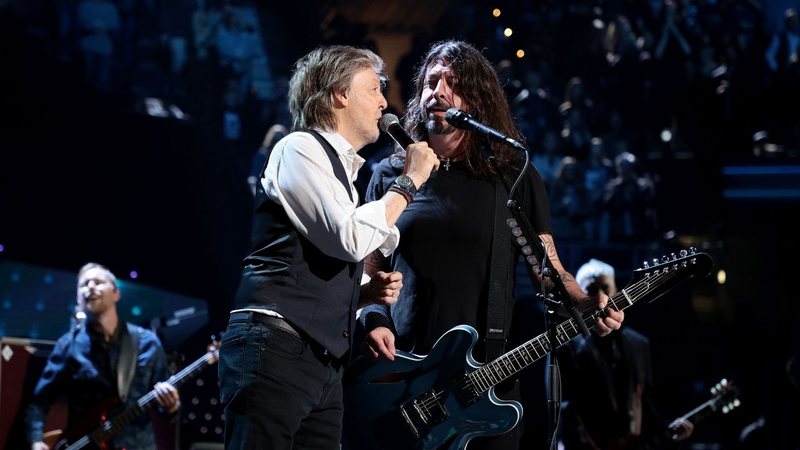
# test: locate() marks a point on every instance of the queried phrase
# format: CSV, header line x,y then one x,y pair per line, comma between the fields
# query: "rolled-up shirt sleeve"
x,y
299,176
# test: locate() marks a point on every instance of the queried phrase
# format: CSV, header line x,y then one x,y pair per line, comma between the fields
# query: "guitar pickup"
x,y
424,412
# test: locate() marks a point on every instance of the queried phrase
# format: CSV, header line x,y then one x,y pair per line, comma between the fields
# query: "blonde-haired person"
x,y
88,366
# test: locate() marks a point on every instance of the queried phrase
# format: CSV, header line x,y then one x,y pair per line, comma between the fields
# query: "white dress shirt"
x,y
299,176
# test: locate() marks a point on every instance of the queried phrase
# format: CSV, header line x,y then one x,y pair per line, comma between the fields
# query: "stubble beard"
x,y
438,125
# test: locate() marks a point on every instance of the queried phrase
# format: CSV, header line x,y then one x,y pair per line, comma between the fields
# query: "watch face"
x,y
405,182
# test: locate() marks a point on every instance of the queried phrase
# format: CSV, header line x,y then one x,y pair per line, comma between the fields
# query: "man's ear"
x,y
117,294
341,99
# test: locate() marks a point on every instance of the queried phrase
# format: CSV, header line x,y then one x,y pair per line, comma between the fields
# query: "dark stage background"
x,y
133,150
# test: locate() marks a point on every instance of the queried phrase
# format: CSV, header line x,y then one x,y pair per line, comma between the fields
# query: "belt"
x,y
270,321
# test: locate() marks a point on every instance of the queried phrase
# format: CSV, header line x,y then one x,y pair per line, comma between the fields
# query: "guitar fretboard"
x,y
113,426
654,283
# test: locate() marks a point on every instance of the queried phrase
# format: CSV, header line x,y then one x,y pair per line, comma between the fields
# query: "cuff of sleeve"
x,y
374,320
391,242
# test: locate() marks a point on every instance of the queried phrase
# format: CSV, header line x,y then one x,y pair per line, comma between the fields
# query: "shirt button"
x,y
345,334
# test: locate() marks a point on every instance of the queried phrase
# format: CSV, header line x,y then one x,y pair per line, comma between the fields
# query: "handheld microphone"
x,y
390,125
464,121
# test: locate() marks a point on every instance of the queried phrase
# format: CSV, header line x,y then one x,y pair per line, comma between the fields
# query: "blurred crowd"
x,y
604,92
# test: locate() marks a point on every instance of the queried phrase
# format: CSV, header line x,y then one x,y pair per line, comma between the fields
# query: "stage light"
x,y
520,53
666,135
134,274
508,32
136,310
496,12
721,276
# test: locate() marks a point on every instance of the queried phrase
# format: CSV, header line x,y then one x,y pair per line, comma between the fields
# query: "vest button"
x,y
345,334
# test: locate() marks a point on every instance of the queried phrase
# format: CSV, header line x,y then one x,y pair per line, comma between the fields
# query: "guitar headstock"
x,y
726,396
663,274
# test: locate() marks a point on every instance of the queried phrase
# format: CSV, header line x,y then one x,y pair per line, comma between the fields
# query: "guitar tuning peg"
x,y
674,257
655,262
646,265
737,403
692,250
665,259
683,253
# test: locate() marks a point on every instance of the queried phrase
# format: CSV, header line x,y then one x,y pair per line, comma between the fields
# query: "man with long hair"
x,y
446,252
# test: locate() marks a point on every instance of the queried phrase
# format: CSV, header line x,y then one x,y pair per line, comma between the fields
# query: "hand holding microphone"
x,y
420,159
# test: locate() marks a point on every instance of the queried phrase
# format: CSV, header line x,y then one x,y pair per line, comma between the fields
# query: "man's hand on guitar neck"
x,y
167,397
613,319
604,324
680,429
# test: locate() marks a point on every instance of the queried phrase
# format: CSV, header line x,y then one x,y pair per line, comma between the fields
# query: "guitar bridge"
x,y
424,412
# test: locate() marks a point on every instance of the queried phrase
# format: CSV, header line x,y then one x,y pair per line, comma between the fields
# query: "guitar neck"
x,y
700,413
112,426
535,349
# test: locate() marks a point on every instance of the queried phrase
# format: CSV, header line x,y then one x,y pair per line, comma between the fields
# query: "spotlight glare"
x,y
520,53
508,32
666,135
721,276
496,12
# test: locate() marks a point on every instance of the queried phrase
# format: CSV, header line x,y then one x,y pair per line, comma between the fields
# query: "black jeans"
x,y
280,390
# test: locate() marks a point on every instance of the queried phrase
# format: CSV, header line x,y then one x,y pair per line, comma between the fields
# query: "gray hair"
x,y
593,269
319,75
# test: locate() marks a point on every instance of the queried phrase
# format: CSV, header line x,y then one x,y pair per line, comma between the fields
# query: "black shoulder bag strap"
x,y
126,366
501,280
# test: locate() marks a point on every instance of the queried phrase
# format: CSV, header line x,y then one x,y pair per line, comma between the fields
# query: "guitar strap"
x,y
126,366
500,278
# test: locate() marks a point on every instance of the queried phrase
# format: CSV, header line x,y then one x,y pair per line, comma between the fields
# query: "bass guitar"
x,y
105,428
446,398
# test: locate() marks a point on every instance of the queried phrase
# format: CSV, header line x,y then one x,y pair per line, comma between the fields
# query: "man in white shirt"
x,y
282,354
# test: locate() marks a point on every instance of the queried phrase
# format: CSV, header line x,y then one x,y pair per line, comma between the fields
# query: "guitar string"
x,y
639,288
145,401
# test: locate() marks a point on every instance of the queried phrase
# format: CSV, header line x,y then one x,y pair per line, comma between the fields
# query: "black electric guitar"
x,y
725,397
81,435
446,398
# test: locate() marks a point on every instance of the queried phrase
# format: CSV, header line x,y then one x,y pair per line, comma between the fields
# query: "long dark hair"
x,y
479,87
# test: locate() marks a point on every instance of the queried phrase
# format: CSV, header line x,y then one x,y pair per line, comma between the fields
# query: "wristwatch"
x,y
405,183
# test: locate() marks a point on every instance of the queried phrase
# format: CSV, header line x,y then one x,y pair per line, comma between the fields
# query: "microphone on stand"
x,y
390,125
464,121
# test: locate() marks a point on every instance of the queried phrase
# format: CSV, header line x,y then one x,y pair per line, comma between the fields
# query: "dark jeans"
x,y
280,390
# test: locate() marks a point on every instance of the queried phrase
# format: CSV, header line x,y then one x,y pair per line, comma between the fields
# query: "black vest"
x,y
286,273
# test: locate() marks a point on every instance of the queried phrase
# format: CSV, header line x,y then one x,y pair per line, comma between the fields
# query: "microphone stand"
x,y
553,300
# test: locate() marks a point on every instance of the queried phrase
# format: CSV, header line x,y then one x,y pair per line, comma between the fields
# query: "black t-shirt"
x,y
445,248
